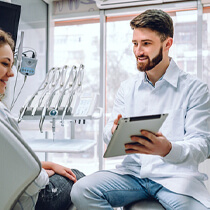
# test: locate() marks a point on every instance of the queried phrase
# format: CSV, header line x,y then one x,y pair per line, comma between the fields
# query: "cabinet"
x,y
71,145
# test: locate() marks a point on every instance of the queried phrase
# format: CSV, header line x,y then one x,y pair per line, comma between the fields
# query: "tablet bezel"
x,y
132,126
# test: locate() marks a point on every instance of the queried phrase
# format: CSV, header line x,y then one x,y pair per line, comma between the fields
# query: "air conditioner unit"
x,y
109,4
205,2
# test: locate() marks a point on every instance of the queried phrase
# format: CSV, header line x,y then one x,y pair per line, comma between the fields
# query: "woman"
x,y
51,189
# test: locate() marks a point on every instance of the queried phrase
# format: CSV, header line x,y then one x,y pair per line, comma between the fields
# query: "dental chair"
x,y
19,166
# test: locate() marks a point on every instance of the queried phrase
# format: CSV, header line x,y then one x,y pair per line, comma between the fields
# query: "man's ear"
x,y
168,43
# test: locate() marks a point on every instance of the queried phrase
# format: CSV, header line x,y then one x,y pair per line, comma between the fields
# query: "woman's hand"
x,y
50,172
58,169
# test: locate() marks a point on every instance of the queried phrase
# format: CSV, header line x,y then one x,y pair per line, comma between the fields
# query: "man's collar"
x,y
172,73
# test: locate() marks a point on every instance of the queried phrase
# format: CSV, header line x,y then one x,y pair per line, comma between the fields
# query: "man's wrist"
x,y
169,147
175,155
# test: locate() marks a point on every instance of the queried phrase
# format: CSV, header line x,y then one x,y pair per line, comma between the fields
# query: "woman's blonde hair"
x,y
6,38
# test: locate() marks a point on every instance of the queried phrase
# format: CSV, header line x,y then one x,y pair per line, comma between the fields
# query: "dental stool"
x,y
144,205
72,207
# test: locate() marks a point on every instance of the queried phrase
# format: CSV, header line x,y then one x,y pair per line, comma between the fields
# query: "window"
x,y
206,46
76,44
121,63
79,44
184,48
78,41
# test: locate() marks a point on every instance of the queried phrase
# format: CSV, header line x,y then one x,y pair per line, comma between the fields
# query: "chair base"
x,y
144,205
139,205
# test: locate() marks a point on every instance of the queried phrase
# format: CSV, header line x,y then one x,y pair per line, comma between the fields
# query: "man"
x,y
166,167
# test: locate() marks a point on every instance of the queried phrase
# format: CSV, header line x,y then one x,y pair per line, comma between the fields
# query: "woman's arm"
x,y
52,168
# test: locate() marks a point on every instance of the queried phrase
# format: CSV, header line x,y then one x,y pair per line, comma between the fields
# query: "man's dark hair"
x,y
6,38
156,20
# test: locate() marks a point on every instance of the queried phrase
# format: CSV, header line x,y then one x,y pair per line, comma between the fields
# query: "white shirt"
x,y
28,199
187,127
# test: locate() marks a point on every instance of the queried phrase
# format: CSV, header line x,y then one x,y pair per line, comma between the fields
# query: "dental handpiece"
x,y
71,93
77,80
28,103
53,113
48,102
45,91
52,84
67,85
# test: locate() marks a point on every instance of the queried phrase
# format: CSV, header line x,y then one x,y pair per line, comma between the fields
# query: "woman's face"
x,y
6,62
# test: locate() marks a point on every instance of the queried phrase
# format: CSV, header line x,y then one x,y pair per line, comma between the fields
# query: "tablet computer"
x,y
132,126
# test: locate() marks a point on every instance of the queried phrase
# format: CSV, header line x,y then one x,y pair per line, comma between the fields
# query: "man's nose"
x,y
139,50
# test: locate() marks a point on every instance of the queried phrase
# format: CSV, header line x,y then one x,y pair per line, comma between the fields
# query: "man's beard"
x,y
1,96
151,63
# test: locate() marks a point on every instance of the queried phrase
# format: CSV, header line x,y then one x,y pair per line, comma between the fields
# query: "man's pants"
x,y
105,190
56,195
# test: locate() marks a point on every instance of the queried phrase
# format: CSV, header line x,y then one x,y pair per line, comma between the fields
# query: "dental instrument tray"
x,y
61,93
132,126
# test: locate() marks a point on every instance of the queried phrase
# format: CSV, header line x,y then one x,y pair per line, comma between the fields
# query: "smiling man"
x,y
166,167
142,48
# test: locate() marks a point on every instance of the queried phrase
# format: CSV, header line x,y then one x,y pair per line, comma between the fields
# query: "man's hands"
x,y
153,144
156,144
52,168
116,122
